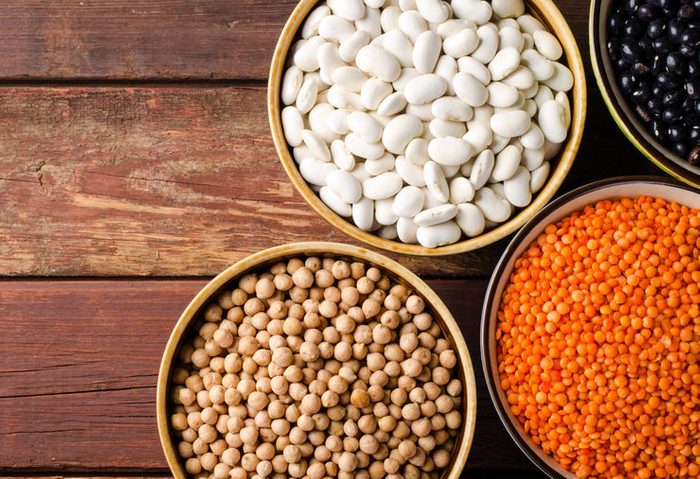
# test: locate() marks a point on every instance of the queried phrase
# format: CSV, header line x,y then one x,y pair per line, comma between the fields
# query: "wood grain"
x,y
156,39
175,181
79,365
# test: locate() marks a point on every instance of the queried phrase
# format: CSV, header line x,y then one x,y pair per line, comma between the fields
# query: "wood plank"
x,y
174,181
161,39
77,377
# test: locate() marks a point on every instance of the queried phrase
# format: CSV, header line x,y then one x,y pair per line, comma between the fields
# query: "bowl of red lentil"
x,y
590,332
315,360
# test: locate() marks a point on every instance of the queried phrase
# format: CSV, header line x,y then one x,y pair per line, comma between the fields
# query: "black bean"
x,y
627,83
675,63
687,51
681,149
691,37
667,3
672,98
693,68
662,45
655,105
656,28
646,12
675,30
671,114
631,6
668,81
694,155
641,95
634,28
621,65
658,130
686,13
614,48
640,69
677,132
631,51
615,24
692,88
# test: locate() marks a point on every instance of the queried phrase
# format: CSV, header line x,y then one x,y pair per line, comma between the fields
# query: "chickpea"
x,y
291,454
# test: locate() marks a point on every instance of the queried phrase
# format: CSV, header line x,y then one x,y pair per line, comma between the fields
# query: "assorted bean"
x,y
598,340
317,368
397,110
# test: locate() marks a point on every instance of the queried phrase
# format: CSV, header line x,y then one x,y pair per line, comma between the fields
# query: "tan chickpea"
x,y
193,466
347,462
185,449
441,376
291,454
381,334
441,457
316,471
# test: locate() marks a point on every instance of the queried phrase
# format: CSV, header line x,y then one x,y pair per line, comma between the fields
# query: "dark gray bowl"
x,y
620,109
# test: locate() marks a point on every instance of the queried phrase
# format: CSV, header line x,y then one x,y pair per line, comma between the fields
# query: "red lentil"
x,y
599,340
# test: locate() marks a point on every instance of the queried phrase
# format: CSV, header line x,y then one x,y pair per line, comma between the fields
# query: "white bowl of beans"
x,y
316,360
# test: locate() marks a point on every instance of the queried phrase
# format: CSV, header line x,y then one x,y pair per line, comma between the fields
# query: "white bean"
x,y
479,137
388,232
552,121
452,109
378,62
345,185
563,99
364,125
412,24
461,43
436,182
383,186
426,51
400,131
398,44
477,11
476,68
291,84
350,46
450,151
329,59
481,171
363,214
488,43
350,78
532,159
380,165
435,215
517,188
533,139
363,149
510,123
417,151
392,104
433,11
438,235
494,208
543,95
338,121
461,190
308,94
440,128
383,212
370,23
529,24
374,3
339,97
541,68
551,150
335,28
315,143
547,44
502,95
470,219
499,143
410,173
446,67
450,171
508,8
470,90
342,156
539,177
408,202
407,74
335,202
293,125
521,79
504,63
510,37
348,9
373,92
390,18
424,89
407,230
454,25
315,171
562,80
319,121
423,113
507,162
310,27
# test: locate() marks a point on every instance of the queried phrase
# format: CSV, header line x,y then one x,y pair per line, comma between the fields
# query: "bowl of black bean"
x,y
646,59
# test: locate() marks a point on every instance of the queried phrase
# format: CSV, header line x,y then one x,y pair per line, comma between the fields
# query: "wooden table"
x,y
136,163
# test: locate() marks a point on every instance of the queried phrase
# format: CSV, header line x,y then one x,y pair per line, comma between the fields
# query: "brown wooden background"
x,y
135,163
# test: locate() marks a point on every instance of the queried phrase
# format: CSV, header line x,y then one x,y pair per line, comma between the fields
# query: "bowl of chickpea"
x,y
316,360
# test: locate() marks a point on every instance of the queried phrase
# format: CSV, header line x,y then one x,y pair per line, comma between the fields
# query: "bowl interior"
x,y
621,109
266,258
548,13
562,207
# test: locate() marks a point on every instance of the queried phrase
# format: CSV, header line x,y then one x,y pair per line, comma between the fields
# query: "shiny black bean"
x,y
692,88
675,30
677,132
681,149
691,37
662,45
634,28
668,81
672,98
655,106
686,13
693,68
675,63
616,23
614,48
631,51
658,130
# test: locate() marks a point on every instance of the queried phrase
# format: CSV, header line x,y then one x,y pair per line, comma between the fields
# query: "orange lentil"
x,y
599,340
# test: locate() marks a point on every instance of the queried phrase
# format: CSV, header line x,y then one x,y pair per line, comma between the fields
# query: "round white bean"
x,y
291,83
435,215
507,162
363,149
477,11
378,62
383,186
510,37
444,128
342,156
412,24
424,89
315,171
393,104
510,123
494,208
470,90
461,43
476,68
307,96
315,143
380,165
547,44
481,171
452,109
417,151
552,121
449,151
408,202
426,51
363,214
517,188
461,190
436,182
383,212
350,46
502,95
365,125
319,117
438,235
407,230
293,125
504,63
539,177
410,172
434,11
400,131
562,80
370,23
345,185
348,9
335,202
470,219
488,43
508,8
335,28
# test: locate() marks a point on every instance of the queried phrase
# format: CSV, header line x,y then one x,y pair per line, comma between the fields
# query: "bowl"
x,y
547,12
555,211
620,108
280,253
